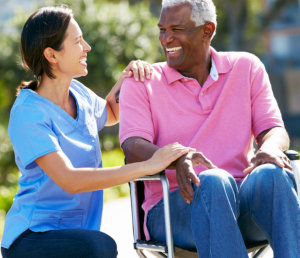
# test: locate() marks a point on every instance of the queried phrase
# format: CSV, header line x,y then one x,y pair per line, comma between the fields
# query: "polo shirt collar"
x,y
213,71
221,61
220,64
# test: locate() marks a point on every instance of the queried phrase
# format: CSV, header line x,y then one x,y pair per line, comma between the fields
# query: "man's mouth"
x,y
173,50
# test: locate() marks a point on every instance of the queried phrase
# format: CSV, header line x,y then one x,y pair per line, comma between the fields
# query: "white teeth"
x,y
82,61
173,49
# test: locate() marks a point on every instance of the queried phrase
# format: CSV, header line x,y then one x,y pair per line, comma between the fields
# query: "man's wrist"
x,y
175,163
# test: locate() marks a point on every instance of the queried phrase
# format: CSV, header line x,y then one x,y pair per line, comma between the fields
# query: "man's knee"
x,y
216,177
268,175
269,178
216,182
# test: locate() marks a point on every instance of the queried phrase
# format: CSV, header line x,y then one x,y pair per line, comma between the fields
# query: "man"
x,y
216,102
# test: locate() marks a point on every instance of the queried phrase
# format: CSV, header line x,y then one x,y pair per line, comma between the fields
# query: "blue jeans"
x,y
223,214
62,244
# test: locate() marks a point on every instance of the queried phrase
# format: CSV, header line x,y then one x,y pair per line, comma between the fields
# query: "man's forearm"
x,y
138,149
275,137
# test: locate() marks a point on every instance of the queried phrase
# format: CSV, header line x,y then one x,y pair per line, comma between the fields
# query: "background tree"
x,y
241,23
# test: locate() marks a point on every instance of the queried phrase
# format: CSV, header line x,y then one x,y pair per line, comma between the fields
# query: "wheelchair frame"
x,y
257,249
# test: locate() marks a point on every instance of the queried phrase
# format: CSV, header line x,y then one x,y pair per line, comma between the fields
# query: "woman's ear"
x,y
208,30
50,55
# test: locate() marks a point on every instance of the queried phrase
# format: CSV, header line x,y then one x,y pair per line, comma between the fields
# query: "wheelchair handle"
x,y
292,155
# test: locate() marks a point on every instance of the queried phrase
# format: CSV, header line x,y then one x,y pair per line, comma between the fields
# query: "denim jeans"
x,y
62,244
223,214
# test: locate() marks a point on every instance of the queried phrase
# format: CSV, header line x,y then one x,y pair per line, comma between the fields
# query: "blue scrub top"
x,y
37,126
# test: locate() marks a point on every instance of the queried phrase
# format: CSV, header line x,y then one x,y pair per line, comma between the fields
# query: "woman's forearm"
x,y
112,103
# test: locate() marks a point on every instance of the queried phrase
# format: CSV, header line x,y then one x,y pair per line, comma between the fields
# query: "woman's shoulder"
x,y
28,107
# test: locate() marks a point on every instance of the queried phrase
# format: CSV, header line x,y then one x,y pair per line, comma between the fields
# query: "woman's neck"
x,y
57,91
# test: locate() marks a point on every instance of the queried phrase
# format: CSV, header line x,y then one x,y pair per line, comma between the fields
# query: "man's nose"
x,y
166,37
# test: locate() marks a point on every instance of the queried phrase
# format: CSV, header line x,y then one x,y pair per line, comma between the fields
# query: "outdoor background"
x,y
120,31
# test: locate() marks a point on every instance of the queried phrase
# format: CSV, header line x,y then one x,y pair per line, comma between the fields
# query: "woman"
x,y
54,129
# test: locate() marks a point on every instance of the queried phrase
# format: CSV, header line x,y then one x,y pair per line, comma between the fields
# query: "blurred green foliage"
x,y
117,34
114,158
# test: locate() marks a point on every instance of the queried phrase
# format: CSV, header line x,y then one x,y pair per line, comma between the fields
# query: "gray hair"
x,y
202,10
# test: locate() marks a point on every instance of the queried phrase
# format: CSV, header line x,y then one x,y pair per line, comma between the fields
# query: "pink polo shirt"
x,y
219,119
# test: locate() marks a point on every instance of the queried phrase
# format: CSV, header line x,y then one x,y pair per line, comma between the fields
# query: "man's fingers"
x,y
185,187
280,161
187,192
194,179
249,169
199,158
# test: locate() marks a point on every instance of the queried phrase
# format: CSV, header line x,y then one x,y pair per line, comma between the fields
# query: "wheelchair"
x,y
255,249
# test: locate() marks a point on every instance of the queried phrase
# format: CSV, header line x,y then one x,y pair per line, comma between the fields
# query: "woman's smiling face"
x,y
73,55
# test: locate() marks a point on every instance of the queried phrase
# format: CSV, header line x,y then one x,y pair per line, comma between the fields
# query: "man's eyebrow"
x,y
174,25
78,37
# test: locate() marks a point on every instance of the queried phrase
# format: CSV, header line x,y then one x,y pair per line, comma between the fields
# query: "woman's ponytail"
x,y
32,85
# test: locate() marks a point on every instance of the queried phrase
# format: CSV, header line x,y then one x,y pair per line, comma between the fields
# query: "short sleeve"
x,y
31,135
100,112
135,111
265,110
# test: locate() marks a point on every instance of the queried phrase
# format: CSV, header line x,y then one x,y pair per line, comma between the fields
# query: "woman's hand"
x,y
164,156
139,69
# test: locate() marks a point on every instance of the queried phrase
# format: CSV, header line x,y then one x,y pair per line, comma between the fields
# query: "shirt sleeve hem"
x,y
266,126
28,162
137,133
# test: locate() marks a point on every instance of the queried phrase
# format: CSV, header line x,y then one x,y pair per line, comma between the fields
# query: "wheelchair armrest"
x,y
165,187
294,158
157,176
292,155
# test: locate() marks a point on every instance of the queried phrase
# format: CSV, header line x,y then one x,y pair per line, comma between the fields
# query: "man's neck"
x,y
199,72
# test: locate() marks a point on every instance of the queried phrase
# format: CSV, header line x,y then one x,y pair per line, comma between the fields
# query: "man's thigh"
x,y
180,213
262,195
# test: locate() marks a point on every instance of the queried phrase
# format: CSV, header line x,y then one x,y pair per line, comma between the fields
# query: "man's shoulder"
x,y
160,66
239,56
159,70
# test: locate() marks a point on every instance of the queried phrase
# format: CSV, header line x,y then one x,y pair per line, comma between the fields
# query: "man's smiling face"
x,y
180,38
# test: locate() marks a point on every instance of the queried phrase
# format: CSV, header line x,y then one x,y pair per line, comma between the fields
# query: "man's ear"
x,y
50,55
208,30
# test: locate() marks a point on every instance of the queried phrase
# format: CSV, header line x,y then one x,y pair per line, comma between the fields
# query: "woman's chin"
x,y
81,74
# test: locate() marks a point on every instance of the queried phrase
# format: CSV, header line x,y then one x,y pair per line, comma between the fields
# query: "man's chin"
x,y
173,64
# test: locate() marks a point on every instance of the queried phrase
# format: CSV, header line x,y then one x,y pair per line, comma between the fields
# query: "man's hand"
x,y
186,175
271,144
275,156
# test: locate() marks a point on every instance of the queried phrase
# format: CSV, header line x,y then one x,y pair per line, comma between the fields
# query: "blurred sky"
x,y
9,7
